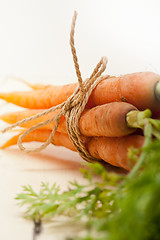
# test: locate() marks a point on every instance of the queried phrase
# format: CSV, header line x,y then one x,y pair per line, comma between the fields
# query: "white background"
x,y
34,37
34,44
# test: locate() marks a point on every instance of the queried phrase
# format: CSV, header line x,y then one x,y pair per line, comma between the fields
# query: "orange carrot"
x,y
14,117
106,120
141,89
41,98
60,139
114,150
111,150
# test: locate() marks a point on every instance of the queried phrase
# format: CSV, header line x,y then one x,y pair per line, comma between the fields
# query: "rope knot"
x,y
71,108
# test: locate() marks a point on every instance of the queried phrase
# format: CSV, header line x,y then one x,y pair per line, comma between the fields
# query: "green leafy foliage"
x,y
111,206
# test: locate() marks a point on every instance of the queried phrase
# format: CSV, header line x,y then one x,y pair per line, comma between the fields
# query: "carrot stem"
x,y
137,119
148,137
155,123
156,133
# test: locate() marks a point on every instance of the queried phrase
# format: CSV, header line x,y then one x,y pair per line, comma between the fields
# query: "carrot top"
x,y
115,201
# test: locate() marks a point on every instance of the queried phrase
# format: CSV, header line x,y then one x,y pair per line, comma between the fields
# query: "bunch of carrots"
x,y
109,124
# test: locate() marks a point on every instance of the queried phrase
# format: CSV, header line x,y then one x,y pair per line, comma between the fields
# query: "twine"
x,y
71,108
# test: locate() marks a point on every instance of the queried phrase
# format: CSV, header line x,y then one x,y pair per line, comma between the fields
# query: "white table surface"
x,y
54,164
16,169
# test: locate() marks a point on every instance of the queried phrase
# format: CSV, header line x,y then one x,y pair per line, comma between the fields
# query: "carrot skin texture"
x,y
40,99
114,150
60,139
106,120
111,150
137,89
14,117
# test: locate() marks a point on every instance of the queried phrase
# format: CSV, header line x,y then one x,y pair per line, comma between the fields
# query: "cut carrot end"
x,y
157,91
136,119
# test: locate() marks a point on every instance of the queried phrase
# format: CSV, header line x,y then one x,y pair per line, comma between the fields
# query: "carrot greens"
x,y
109,205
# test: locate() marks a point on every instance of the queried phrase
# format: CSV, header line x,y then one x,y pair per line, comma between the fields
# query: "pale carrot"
x,y
37,86
33,86
141,89
106,120
111,150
